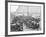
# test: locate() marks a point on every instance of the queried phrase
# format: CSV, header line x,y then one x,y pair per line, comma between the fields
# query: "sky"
x,y
21,9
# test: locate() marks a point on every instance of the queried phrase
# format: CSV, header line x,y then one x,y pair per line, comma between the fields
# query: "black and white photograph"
x,y
25,18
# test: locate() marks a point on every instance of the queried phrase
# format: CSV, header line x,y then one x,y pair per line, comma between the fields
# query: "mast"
x,y
27,10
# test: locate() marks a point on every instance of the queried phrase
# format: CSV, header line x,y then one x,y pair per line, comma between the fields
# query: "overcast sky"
x,y
25,9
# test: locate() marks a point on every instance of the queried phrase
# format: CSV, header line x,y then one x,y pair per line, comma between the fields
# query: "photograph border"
x,y
6,17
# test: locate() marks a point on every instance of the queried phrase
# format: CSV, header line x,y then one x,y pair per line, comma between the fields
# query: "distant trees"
x,y
30,22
